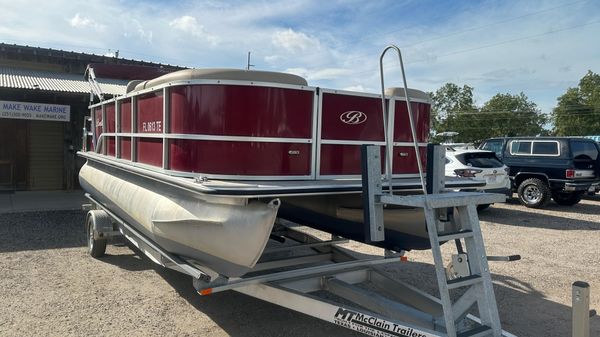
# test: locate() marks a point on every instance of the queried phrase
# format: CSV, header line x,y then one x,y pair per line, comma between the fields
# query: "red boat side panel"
x,y
421,116
125,115
125,144
405,161
240,158
345,159
333,126
150,113
109,110
110,149
149,151
234,110
341,159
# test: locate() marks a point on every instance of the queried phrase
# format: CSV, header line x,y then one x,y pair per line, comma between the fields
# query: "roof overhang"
x,y
31,79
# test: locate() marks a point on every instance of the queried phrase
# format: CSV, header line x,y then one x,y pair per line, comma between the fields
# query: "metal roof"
x,y
20,78
80,56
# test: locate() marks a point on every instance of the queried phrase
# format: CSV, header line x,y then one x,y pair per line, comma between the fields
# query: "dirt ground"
x,y
49,286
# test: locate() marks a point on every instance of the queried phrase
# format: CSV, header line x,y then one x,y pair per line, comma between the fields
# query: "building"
x,y
43,102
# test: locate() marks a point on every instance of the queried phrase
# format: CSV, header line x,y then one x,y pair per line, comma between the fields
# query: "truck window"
x,y
584,150
520,147
548,148
494,146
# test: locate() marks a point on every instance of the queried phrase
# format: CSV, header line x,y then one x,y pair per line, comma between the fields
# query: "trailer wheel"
x,y
96,246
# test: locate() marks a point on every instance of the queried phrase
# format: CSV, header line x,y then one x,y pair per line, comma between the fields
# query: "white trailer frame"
x,y
296,270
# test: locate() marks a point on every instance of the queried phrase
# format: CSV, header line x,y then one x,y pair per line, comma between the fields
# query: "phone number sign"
x,y
37,111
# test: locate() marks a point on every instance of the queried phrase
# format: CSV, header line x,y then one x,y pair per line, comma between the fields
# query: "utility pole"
x,y
248,65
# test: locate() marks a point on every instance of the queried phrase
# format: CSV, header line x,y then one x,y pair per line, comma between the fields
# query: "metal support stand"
x,y
462,225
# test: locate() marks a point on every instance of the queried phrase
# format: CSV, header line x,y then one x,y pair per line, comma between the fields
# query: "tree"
x,y
509,115
450,102
503,115
578,109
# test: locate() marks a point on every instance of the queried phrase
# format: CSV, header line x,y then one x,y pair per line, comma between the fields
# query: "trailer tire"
x,y
96,219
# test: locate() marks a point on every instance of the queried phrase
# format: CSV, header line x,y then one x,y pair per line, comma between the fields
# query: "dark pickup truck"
x,y
540,168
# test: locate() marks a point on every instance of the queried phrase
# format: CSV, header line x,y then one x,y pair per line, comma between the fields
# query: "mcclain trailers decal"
x,y
374,326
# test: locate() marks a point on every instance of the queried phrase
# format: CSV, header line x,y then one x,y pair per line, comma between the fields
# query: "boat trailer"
x,y
314,275
311,275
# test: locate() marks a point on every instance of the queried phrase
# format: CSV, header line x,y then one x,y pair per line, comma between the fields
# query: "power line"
x,y
395,65
482,112
520,39
473,28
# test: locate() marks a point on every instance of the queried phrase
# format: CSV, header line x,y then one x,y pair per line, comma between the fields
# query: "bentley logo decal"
x,y
353,117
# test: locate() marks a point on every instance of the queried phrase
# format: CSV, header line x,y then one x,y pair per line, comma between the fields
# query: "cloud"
x,y
358,88
134,28
330,74
190,25
293,41
273,59
79,21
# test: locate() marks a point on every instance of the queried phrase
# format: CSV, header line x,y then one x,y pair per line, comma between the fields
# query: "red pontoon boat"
x,y
203,161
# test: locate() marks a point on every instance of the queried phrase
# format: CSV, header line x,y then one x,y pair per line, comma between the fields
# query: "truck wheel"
x,y
566,199
96,247
533,193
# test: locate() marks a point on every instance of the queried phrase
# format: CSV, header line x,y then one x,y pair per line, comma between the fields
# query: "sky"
x,y
540,48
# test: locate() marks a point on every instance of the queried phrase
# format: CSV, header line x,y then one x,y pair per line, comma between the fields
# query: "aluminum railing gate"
x,y
442,226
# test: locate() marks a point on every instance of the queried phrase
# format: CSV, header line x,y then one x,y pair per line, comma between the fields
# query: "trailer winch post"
x,y
581,309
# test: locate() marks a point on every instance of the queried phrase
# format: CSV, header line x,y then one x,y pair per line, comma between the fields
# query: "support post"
x,y
581,309
371,182
436,163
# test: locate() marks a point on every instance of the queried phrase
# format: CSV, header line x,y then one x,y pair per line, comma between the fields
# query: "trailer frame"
x,y
310,275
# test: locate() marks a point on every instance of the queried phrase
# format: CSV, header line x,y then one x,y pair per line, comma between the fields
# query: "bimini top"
x,y
219,74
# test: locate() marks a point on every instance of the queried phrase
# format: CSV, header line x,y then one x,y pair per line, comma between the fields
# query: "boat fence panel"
x,y
246,130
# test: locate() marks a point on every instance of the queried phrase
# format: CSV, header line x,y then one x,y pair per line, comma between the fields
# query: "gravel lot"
x,y
51,287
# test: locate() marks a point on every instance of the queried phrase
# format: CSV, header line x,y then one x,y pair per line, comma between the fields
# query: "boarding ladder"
x,y
449,216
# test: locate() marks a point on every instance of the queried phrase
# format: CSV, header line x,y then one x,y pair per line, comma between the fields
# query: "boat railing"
x,y
118,130
388,122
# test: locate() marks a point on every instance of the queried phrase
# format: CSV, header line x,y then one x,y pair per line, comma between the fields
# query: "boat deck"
x,y
276,188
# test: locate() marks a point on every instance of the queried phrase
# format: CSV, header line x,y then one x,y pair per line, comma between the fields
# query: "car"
x,y
541,168
479,165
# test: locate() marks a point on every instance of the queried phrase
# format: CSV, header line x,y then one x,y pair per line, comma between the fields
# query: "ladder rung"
x,y
482,330
464,281
455,235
